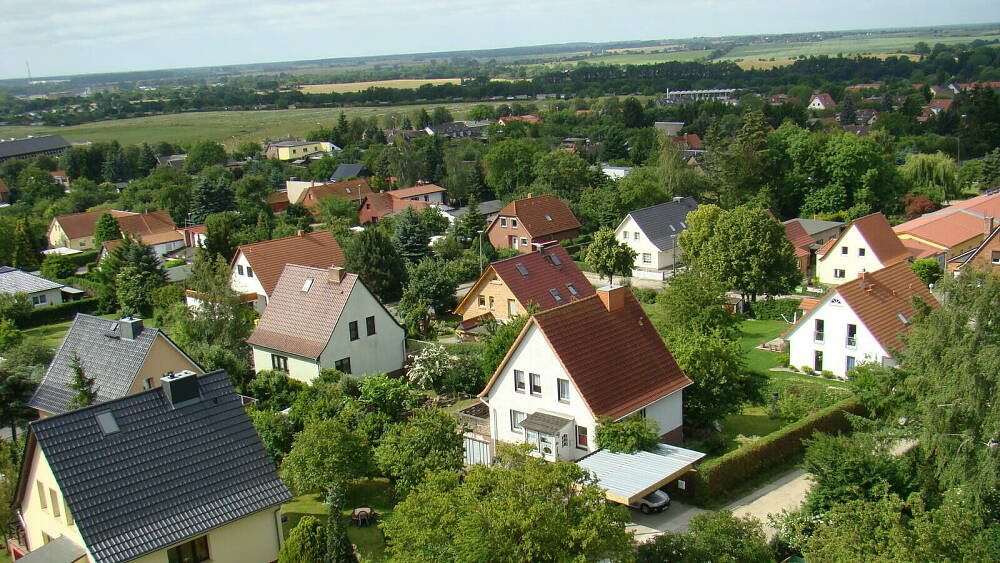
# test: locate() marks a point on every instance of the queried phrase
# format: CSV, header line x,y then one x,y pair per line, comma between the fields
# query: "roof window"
x,y
555,294
572,290
306,285
672,228
556,261
106,420
548,217
522,269
902,318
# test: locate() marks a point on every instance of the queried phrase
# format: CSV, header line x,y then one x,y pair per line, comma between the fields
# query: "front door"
x,y
513,242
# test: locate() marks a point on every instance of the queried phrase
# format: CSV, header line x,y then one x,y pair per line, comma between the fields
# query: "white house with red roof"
x,y
821,102
867,244
572,365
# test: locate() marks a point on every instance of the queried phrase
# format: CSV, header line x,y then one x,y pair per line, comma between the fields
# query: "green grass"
x,y
229,127
4,555
852,45
755,333
373,493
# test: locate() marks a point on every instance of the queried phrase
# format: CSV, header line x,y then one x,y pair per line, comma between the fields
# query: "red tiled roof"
x,y
881,296
809,303
269,258
800,239
954,224
159,238
882,240
354,190
77,225
825,99
690,141
542,215
825,249
412,191
146,224
527,118
943,103
918,249
301,322
383,203
543,275
616,359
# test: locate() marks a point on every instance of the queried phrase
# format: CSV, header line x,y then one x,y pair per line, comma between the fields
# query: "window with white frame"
x,y
819,333
536,383
503,221
39,299
635,235
647,258
239,269
482,301
843,250
279,363
516,417
582,441
839,274
519,380
861,252
563,386
624,235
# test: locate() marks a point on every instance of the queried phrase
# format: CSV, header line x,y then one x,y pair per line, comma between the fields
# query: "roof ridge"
x,y
248,245
564,305
682,198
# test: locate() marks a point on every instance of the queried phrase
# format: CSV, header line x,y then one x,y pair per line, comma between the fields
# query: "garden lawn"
x,y
373,493
754,333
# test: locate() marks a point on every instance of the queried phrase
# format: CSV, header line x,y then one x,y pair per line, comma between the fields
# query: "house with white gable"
x,y
867,244
858,322
326,318
652,232
821,101
572,365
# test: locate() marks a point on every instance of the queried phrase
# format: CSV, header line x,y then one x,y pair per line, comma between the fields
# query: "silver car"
x,y
656,501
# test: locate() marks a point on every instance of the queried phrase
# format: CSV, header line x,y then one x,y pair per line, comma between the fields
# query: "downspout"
x,y
277,528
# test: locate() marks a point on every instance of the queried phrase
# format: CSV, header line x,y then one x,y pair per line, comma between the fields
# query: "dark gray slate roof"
x,y
169,474
488,207
112,362
661,222
59,550
349,171
19,147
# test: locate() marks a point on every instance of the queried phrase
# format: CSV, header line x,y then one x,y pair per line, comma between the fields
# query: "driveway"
x,y
786,492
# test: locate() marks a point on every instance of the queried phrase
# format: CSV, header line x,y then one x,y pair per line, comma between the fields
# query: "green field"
x,y
223,126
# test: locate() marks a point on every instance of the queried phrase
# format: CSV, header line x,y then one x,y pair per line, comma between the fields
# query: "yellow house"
x,y
76,230
175,474
122,357
546,278
293,150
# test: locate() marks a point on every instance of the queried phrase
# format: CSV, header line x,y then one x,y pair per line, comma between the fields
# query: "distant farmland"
x,y
340,88
227,127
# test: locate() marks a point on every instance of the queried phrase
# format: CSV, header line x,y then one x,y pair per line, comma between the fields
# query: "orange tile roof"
x,y
809,303
301,322
617,360
145,224
542,215
354,190
918,249
77,225
881,296
954,224
159,238
884,243
269,258
420,189
542,276
800,239
825,249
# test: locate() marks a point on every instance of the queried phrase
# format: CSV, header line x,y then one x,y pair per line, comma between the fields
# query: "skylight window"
x,y
683,224
572,290
522,269
555,260
555,294
308,284
902,318
672,228
106,420
548,217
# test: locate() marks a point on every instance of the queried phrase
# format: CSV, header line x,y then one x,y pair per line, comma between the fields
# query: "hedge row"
x,y
59,313
719,476
773,309
83,258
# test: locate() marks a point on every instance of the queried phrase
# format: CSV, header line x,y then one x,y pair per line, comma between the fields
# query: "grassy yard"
x,y
374,493
755,333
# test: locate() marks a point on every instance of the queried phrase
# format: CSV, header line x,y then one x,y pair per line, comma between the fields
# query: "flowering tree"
x,y
430,366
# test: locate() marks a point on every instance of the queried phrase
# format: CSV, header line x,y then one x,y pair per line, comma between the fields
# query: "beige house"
x,y
294,150
166,475
866,245
546,278
76,230
123,357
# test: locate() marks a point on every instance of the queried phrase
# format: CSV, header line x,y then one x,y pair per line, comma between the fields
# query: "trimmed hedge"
x,y
773,309
58,313
83,258
718,477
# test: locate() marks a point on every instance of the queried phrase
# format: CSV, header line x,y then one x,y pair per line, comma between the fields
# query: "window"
x,y
536,383
843,250
193,551
55,502
343,365
511,307
249,272
353,327
46,538
370,326
491,302
503,221
581,437
147,383
861,252
239,269
624,235
513,222
69,517
519,380
851,362
563,385
279,363
38,300
635,235
555,294
572,290
524,241
819,334
996,257
482,300
818,361
516,417
647,258
839,274
42,500
852,336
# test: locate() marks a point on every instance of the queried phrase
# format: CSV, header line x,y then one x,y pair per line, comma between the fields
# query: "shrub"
x,y
798,400
720,476
57,267
59,313
773,309
645,295
627,436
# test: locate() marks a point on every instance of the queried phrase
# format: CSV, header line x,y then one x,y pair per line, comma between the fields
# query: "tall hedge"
x,y
718,477
58,313
773,309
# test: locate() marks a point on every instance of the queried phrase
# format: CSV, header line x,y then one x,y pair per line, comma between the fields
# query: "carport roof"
x,y
628,477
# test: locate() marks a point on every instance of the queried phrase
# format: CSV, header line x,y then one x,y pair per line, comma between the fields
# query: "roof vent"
x,y
181,388
130,328
106,420
520,268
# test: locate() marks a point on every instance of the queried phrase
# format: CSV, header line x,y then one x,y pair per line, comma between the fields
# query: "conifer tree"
x,y
338,547
409,236
212,193
24,255
372,256
86,389
107,228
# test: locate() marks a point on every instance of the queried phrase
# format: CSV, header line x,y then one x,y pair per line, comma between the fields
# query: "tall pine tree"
x,y
338,547
212,193
24,255
86,389
409,236
372,256
107,228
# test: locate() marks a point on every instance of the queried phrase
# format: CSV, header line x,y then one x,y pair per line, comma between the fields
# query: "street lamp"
x,y
480,251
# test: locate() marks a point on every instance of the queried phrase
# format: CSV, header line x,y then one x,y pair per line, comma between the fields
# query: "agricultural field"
x,y
228,127
359,86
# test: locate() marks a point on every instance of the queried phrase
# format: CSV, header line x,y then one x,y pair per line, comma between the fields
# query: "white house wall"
x,y
836,315
851,263
658,259
382,352
52,297
668,412
246,284
302,369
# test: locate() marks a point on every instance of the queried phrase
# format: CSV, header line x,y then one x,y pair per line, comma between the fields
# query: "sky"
x,y
61,37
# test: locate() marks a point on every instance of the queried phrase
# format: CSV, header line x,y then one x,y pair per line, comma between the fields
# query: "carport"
x,y
629,477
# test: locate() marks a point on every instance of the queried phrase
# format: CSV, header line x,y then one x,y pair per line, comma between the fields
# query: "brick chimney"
x,y
862,275
300,233
612,296
336,274
988,226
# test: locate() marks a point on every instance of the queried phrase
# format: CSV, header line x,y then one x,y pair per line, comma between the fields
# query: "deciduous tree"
x,y
426,442
324,453
608,256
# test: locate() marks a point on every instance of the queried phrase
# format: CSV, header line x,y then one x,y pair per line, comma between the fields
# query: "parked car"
x,y
656,501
